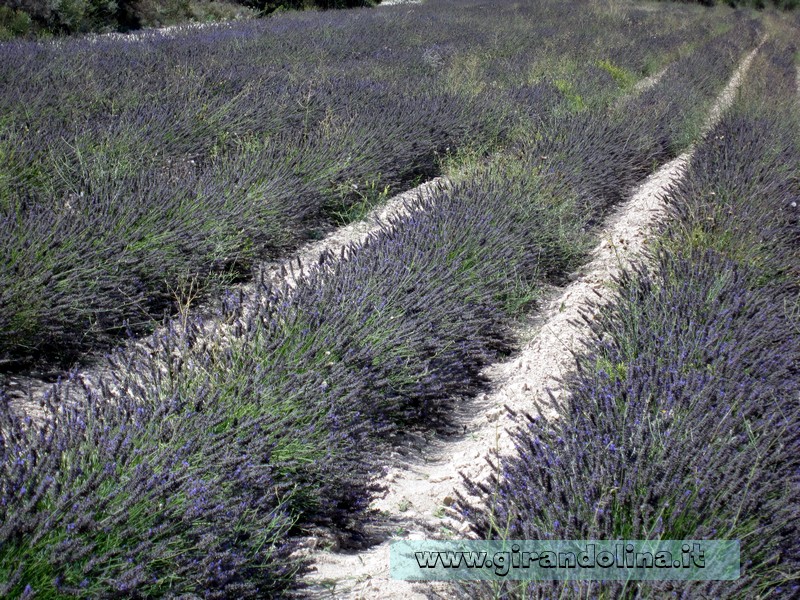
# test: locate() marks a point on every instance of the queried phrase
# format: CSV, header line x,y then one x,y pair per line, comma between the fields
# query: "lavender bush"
x,y
276,422
747,206
682,420
136,499
131,167
185,468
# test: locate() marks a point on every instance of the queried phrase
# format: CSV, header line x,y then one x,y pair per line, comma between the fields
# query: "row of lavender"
x,y
683,420
131,170
187,469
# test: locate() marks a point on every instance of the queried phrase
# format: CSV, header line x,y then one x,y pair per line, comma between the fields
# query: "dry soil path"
x,y
26,392
422,485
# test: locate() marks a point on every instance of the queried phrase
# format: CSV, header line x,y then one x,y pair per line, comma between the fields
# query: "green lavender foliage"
x,y
129,168
186,467
682,420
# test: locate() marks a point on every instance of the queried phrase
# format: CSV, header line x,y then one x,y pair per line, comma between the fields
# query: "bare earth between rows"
x,y
422,479
421,485
27,392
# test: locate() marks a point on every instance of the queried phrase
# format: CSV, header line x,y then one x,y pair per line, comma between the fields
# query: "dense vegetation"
x,y
186,157
20,18
683,420
757,4
46,17
189,462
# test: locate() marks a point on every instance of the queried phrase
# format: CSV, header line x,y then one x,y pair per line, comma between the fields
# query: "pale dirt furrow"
x,y
290,270
398,2
25,393
422,481
650,81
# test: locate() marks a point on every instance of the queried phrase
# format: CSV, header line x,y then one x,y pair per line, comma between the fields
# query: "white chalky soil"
x,y
25,392
422,485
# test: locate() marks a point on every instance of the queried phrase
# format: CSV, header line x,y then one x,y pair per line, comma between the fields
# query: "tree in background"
x,y
758,4
59,16
24,17
268,6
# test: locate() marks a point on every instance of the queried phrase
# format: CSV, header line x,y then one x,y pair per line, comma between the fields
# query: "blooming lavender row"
x,y
683,419
186,468
132,170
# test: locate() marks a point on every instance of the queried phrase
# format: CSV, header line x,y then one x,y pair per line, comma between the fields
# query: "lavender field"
x,y
176,423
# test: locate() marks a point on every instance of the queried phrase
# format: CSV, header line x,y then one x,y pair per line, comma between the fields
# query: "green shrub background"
x,y
19,18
